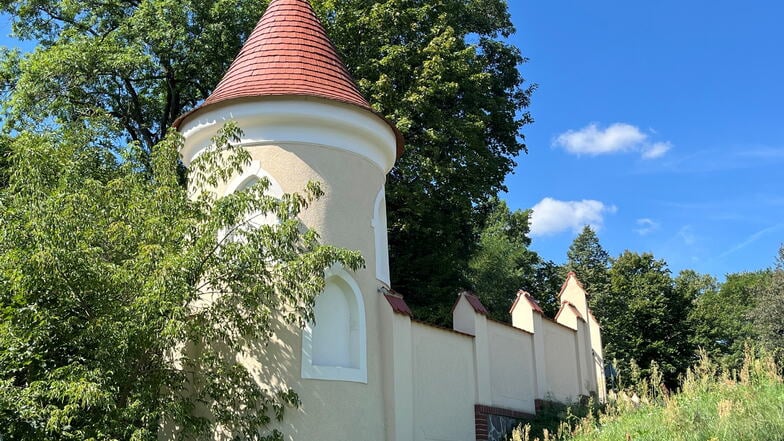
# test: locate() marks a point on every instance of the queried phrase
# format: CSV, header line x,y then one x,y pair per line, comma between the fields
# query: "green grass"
x,y
711,406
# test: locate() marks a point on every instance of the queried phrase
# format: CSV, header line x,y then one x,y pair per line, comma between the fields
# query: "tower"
x,y
303,119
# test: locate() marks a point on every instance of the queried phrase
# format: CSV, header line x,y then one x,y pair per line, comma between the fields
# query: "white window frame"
x,y
338,373
379,224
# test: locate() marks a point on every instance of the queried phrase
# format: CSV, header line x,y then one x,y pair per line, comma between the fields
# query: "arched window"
x,y
334,345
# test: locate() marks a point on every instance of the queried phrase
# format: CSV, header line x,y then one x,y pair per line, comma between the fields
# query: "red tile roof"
x,y
532,301
473,300
398,304
566,304
289,54
571,274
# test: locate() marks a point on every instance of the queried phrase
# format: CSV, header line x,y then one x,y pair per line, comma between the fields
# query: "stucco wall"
x,y
331,410
444,384
561,361
512,374
598,357
422,382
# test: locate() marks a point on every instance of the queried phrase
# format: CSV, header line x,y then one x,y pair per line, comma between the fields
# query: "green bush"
x,y
712,405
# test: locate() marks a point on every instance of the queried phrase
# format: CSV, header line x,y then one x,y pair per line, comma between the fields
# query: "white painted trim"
x,y
379,224
255,171
295,120
316,372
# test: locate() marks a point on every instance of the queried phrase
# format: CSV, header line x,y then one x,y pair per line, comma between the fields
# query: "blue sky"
x,y
661,123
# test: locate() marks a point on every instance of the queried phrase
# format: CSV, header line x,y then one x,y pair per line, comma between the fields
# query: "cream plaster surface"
x,y
348,153
598,357
523,314
422,382
331,410
512,370
575,295
444,386
560,362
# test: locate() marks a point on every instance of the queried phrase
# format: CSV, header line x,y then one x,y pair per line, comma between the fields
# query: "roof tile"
x,y
398,304
288,53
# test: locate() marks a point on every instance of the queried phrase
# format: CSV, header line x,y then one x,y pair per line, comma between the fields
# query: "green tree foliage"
x,y
588,259
124,300
441,71
545,285
768,313
5,153
645,316
720,317
124,68
503,264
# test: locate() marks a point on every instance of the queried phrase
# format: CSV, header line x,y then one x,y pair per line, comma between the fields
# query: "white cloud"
x,y
656,150
646,226
551,216
751,239
619,137
686,233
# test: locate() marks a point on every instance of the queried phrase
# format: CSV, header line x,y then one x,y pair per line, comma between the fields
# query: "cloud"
x,y
551,216
751,239
619,137
646,226
686,233
656,150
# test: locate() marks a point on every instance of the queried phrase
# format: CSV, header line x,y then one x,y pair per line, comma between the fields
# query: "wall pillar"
x,y
527,315
397,367
540,368
470,316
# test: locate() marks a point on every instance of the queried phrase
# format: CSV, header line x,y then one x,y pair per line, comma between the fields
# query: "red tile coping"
x,y
532,301
288,53
473,300
565,305
398,304
579,283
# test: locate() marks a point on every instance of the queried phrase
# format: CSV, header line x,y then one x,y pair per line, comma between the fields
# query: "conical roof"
x,y
288,53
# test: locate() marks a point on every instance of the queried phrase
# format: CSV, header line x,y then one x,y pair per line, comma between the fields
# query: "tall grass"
x,y
712,405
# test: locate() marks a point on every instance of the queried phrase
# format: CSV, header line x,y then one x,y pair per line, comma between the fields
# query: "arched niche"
x,y
379,224
334,345
251,175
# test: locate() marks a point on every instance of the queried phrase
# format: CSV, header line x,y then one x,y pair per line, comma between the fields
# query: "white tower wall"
x,y
349,151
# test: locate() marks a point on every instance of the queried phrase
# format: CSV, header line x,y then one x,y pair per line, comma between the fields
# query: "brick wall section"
x,y
481,413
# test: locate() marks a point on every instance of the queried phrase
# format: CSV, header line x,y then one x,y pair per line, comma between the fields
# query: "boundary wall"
x,y
477,380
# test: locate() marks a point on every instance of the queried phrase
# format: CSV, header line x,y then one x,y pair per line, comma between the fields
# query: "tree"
x,y
5,151
587,258
124,68
768,312
720,317
124,301
441,71
503,264
645,317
